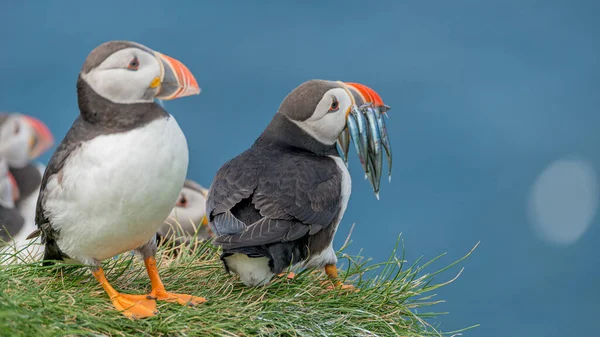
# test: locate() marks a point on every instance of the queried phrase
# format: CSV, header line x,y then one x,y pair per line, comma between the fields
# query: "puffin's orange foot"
x,y
290,275
183,299
340,285
134,306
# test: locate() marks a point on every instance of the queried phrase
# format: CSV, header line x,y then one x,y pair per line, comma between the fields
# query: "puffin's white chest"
x,y
117,189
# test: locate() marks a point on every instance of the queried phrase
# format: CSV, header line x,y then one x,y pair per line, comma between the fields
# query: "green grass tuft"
x,y
67,301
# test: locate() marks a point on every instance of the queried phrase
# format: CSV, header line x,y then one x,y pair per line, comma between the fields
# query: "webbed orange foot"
x,y
160,293
340,285
183,299
134,306
290,275
331,271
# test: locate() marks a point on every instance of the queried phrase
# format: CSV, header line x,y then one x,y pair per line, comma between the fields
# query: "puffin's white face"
x,y
189,212
22,139
130,75
329,118
15,136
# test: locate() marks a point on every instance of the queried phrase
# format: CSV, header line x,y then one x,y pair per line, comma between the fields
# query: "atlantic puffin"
x,y
11,221
117,173
279,203
23,139
188,218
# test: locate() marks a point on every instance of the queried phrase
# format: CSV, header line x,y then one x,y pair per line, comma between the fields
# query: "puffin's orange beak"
x,y
176,79
41,140
15,188
366,94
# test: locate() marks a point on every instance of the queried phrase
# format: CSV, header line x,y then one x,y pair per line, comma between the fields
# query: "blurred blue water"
x,y
484,96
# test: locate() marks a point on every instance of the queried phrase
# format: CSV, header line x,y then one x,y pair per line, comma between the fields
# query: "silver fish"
x,y
385,141
362,129
375,144
344,144
353,129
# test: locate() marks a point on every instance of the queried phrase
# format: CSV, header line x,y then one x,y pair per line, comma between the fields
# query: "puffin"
x,y
11,221
118,171
279,203
23,139
188,218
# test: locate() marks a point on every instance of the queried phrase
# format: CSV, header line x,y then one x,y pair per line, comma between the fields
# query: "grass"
x,y
67,301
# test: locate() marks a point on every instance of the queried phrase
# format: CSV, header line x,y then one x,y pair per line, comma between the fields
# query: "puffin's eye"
x,y
335,105
17,128
182,202
134,64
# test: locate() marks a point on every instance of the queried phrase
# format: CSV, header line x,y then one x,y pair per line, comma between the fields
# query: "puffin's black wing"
x,y
80,132
293,194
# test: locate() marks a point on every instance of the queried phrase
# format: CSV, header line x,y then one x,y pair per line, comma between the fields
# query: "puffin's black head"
x,y
126,72
320,108
22,138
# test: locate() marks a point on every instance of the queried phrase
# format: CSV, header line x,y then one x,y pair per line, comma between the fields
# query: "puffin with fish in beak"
x,y
117,173
279,203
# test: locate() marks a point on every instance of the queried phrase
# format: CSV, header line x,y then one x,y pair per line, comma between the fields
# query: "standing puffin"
x,y
188,218
116,175
280,202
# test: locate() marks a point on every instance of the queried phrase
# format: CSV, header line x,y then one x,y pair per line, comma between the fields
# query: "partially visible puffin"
x,y
116,175
279,203
187,219
11,221
23,139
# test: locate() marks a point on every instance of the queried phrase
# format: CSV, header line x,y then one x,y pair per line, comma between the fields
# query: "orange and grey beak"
x,y
363,94
41,139
367,130
16,195
175,81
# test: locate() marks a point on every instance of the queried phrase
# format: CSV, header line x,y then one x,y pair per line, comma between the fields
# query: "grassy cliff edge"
x,y
67,301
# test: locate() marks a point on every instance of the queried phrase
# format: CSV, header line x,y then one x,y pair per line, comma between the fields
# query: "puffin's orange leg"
x,y
290,275
160,293
332,273
132,306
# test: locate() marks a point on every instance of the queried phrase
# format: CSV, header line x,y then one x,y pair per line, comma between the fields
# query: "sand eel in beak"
x,y
367,129
280,202
188,218
116,175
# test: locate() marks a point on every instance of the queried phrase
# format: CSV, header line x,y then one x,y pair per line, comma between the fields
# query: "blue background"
x,y
484,96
